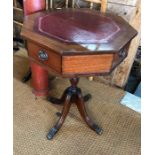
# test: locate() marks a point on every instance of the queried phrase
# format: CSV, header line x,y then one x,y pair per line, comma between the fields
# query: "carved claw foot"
x,y
51,133
97,129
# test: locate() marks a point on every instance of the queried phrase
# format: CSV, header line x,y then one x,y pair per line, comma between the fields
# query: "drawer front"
x,y
44,56
87,64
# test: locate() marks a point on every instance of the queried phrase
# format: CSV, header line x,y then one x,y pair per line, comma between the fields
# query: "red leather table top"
x,y
74,26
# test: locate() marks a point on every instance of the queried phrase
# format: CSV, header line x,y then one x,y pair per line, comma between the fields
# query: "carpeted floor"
x,y
34,117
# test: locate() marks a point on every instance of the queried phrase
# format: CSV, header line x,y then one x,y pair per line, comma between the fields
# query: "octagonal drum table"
x,y
73,43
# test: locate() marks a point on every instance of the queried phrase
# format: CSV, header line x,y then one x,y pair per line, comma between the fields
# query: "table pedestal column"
x,y
39,79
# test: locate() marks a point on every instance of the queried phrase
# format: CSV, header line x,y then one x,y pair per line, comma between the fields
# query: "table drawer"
x,y
44,56
86,64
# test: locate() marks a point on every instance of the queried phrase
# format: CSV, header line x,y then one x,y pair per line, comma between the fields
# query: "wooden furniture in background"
x,y
121,74
17,24
67,43
130,10
30,7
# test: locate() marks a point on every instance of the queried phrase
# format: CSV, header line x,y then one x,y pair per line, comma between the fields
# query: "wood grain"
x,y
103,6
54,60
87,63
69,60
113,45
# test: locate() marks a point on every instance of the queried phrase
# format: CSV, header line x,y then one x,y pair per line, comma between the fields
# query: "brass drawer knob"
x,y
42,55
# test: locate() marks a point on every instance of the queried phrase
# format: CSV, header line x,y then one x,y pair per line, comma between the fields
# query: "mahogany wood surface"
x,y
87,64
76,65
117,42
54,59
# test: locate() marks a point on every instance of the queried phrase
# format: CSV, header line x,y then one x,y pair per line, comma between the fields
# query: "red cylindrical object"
x,y
39,74
31,6
39,79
